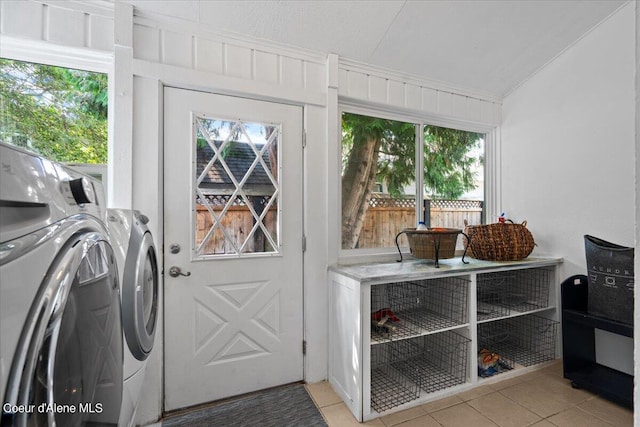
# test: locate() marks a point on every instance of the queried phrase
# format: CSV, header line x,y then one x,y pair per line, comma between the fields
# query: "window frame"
x,y
40,52
278,249
419,121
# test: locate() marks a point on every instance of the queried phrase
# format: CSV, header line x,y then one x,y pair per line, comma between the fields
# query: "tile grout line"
x,y
501,391
593,415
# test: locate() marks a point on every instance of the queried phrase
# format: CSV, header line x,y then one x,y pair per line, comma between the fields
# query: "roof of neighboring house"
x,y
238,156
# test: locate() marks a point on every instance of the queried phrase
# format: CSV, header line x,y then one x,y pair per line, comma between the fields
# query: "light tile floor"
x,y
539,399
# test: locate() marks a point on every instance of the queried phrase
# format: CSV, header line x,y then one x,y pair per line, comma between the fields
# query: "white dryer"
x,y
61,345
138,266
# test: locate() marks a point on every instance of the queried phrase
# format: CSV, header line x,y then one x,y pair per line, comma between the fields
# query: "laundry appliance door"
x,y
67,368
140,289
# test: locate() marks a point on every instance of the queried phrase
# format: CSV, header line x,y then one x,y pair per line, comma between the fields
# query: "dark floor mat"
x,y
289,406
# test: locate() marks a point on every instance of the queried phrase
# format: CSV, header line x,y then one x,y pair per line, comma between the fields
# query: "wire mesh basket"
x,y
490,288
435,362
504,293
519,341
416,307
389,386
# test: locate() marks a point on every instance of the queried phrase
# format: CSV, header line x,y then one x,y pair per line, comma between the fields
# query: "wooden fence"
x,y
386,217
238,221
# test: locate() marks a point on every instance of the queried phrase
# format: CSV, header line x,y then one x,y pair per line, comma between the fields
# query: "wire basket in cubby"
x,y
389,386
490,291
435,362
503,293
519,341
417,307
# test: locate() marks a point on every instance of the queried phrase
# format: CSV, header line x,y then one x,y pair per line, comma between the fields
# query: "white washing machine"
x,y
61,343
137,263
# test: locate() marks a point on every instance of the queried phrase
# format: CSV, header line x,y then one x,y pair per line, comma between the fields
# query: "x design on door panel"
x,y
233,226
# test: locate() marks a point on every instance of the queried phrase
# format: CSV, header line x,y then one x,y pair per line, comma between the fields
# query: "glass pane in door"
x,y
236,187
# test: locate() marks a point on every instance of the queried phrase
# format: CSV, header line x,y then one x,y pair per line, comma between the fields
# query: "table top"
x,y
383,272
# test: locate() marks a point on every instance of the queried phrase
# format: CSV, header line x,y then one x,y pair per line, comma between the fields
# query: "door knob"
x,y
175,272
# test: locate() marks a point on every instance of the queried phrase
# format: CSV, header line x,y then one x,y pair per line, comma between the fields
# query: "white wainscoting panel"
x,y
237,61
396,93
377,89
414,94
176,45
64,23
208,55
429,99
65,27
363,84
22,18
146,43
266,67
101,33
292,72
445,103
315,76
177,49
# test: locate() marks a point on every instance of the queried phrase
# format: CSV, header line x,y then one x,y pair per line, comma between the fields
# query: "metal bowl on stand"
x,y
433,243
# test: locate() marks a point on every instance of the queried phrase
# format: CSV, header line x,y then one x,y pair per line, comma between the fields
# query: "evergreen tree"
x,y
58,112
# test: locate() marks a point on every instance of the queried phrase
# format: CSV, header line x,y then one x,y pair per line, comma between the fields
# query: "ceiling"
x,y
479,45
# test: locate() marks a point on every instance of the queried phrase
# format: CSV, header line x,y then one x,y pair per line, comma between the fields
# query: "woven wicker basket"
x,y
499,241
432,243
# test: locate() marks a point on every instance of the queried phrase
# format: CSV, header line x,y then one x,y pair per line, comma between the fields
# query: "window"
x,y
453,177
380,192
377,154
59,113
237,187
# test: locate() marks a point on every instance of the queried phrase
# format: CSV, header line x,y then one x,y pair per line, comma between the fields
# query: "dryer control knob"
x,y
142,217
78,191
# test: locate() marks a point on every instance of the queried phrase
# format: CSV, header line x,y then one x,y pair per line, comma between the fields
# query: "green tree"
x,y
384,150
364,139
61,113
448,167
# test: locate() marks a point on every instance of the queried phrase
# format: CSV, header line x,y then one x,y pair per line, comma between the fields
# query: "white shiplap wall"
x,y
297,76
69,23
362,84
239,66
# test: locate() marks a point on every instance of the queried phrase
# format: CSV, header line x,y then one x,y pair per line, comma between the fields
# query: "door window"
x,y
236,187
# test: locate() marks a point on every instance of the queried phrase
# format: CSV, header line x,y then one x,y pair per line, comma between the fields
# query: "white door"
x,y
233,241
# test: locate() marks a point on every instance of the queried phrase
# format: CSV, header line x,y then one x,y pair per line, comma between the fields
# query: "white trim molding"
x,y
493,178
43,52
384,90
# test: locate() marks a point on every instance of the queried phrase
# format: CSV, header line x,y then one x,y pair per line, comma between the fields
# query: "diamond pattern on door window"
x,y
236,187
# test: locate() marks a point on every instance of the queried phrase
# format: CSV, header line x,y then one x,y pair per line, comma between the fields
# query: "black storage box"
x,y
611,279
